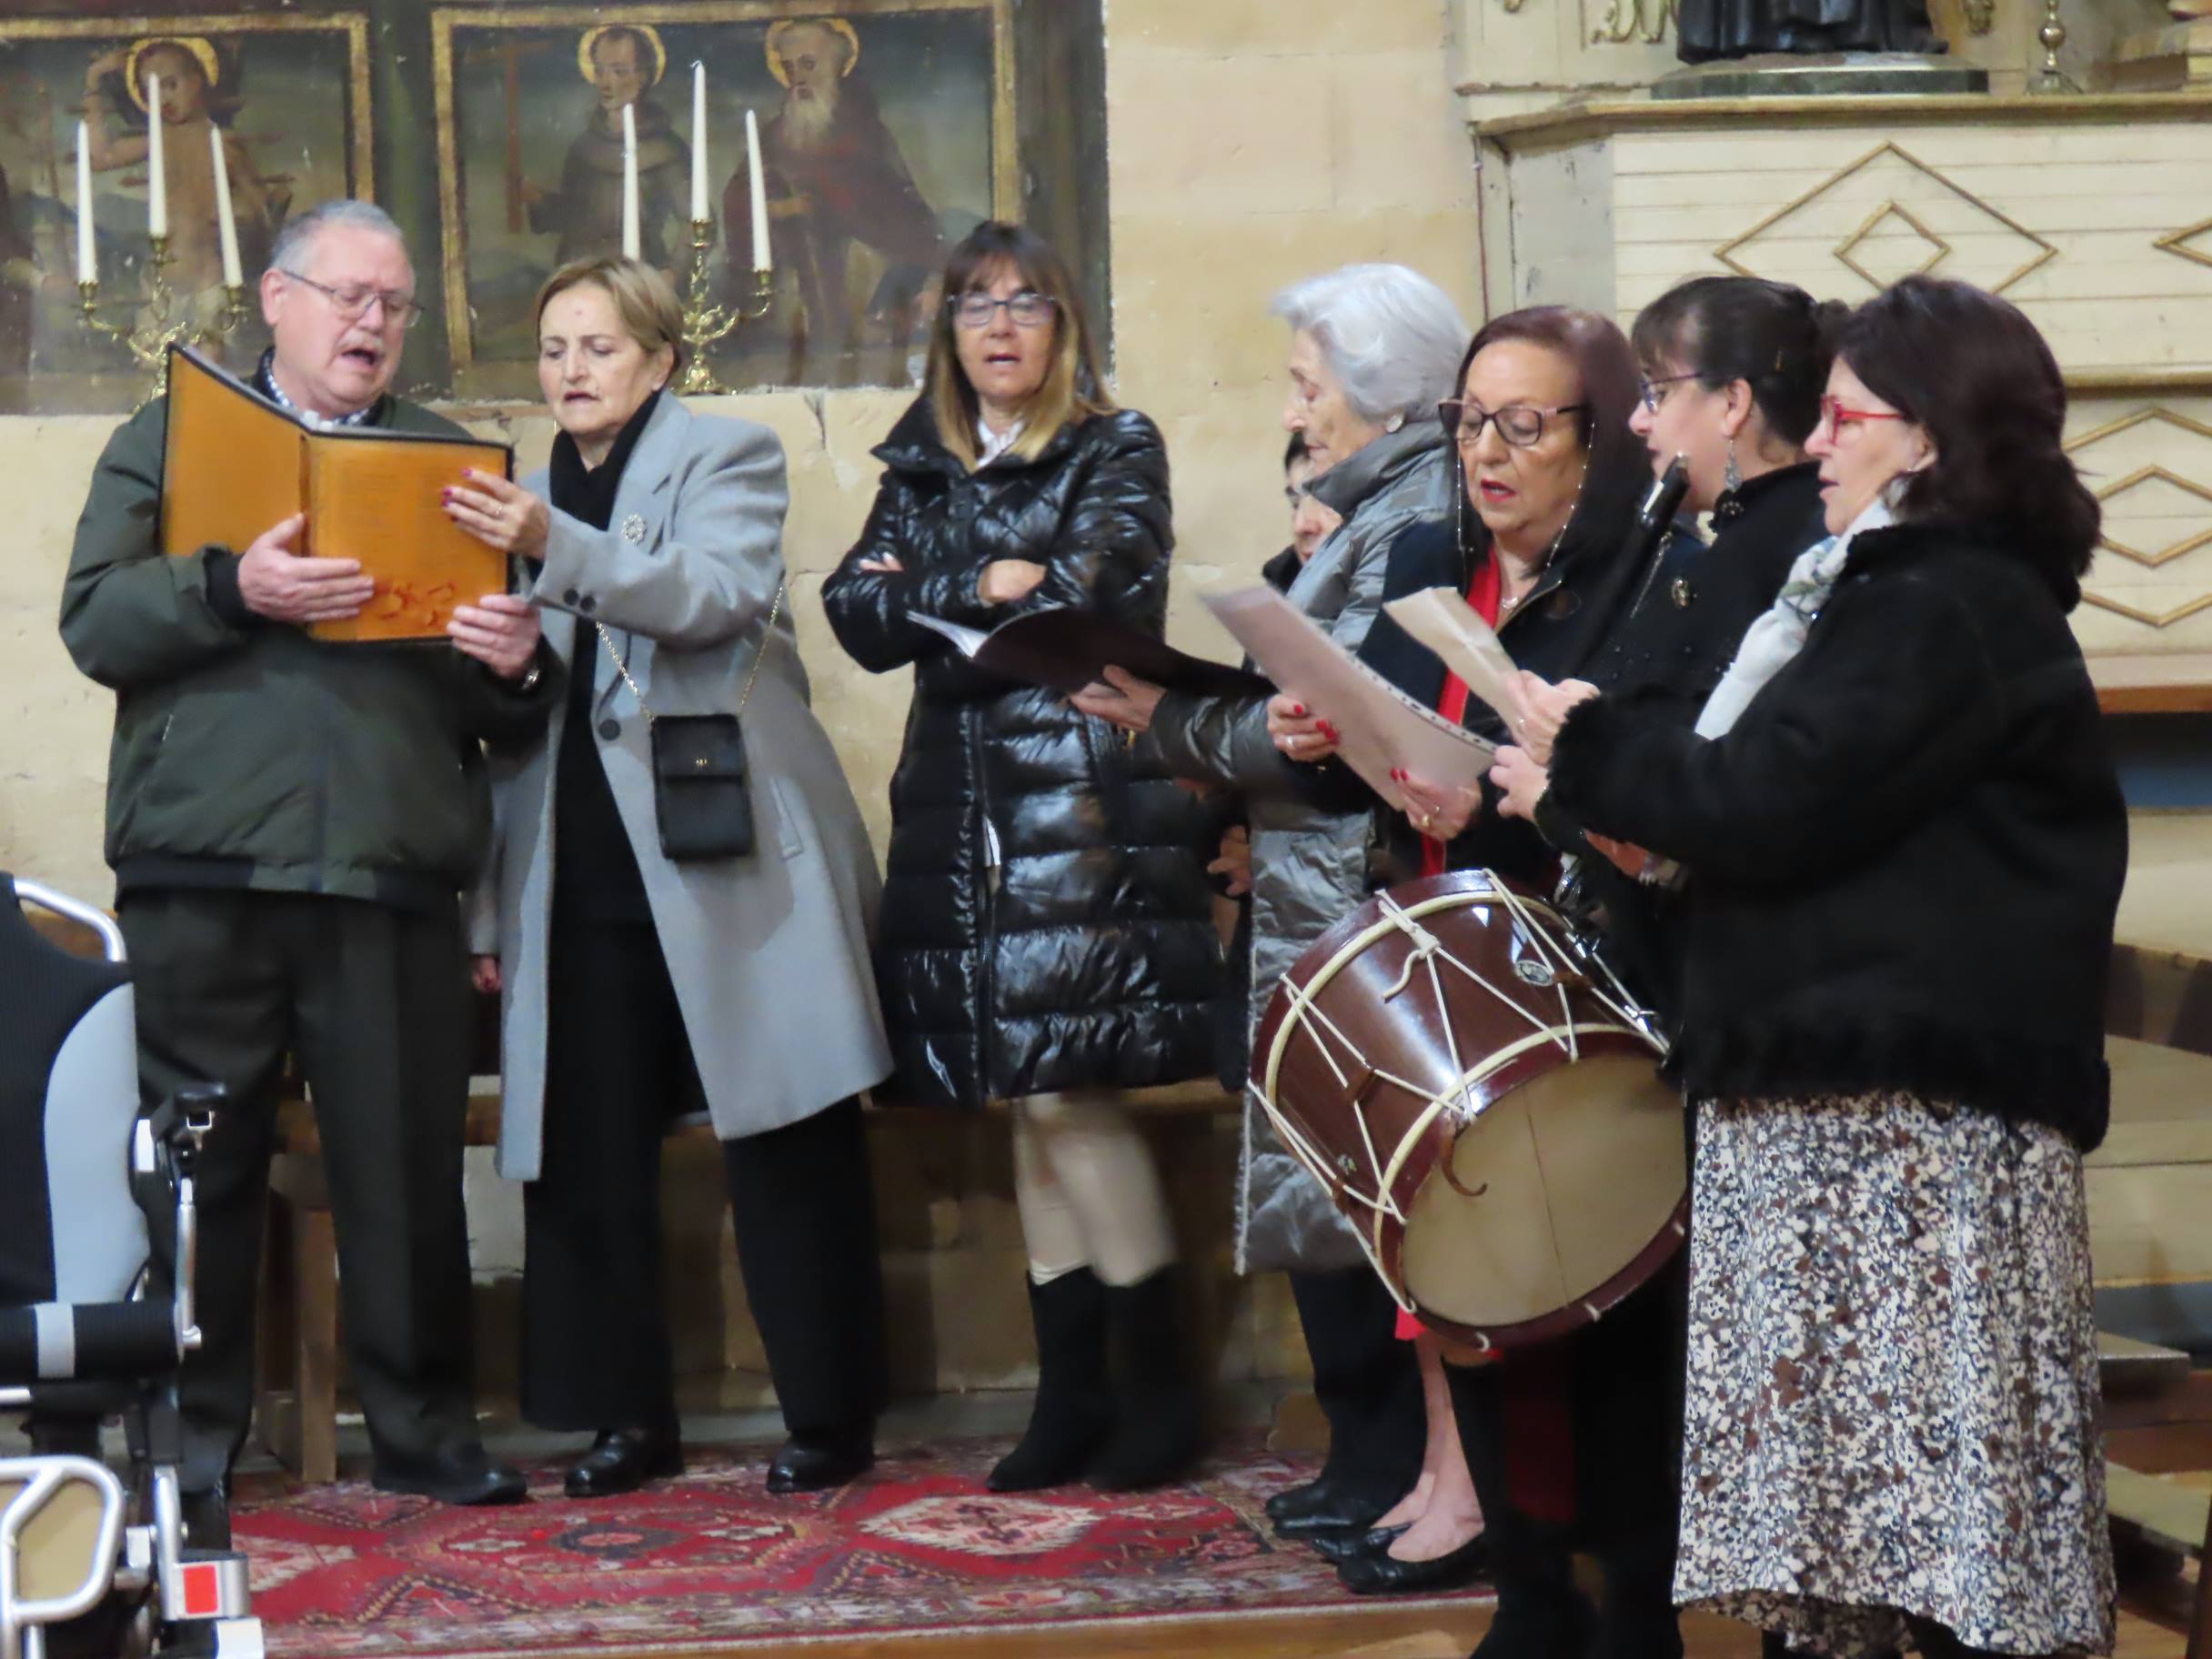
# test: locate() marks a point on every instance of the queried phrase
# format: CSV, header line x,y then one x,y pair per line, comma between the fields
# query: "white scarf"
x,y
1779,635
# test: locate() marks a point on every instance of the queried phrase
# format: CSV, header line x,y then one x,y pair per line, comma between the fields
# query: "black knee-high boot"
x,y
1072,1414
1159,1408
1541,1615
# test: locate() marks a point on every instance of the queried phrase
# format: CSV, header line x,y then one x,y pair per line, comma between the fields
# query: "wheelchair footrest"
x,y
208,1584
239,1639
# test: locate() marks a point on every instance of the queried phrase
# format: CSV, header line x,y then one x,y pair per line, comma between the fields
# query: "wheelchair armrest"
x,y
87,1342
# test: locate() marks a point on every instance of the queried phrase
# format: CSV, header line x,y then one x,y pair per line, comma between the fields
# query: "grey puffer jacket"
x,y
1311,863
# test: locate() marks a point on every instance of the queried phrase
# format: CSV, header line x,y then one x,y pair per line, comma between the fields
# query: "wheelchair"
x,y
88,1565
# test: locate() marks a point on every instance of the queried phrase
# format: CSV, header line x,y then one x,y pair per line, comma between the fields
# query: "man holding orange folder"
x,y
290,822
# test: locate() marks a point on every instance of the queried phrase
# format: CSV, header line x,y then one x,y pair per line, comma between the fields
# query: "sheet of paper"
x,y
1382,729
968,640
1449,626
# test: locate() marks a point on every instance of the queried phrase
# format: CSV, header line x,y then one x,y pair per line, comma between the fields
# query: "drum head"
x,y
1579,1171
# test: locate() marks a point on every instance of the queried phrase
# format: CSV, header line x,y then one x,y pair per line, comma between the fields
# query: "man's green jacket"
x,y
246,753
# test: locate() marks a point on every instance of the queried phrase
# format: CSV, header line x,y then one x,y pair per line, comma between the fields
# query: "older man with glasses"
x,y
290,823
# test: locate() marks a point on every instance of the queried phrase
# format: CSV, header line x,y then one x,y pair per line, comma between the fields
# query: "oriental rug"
x,y
916,1549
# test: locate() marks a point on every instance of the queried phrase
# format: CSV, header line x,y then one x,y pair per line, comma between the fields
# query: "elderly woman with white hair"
x,y
1373,348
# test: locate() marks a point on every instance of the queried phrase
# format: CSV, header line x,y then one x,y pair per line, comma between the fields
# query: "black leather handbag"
x,y
702,798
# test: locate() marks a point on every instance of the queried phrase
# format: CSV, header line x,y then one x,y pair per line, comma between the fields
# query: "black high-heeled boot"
x,y
1071,1417
1159,1412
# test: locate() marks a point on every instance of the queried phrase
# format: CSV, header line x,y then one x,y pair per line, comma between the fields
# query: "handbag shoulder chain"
x,y
744,696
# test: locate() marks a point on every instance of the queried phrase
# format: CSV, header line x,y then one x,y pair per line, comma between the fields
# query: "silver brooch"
x,y
1681,594
633,528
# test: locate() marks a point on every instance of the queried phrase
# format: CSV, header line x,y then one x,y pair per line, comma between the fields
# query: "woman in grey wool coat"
x,y
636,987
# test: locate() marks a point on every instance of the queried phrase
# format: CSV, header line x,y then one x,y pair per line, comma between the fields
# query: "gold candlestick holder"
x,y
707,320
2051,79
152,325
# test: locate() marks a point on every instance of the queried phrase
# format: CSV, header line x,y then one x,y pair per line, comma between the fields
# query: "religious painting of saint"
x,y
887,132
283,99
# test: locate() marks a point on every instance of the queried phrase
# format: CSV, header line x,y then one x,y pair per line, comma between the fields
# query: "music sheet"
x,y
1444,622
1382,729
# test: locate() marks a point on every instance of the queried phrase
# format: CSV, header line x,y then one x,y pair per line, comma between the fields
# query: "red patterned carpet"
x,y
919,1548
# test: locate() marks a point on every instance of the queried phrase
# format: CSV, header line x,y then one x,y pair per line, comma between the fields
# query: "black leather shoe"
x,y
467,1480
816,1462
1292,1498
622,1459
1345,1546
1385,1575
1346,1513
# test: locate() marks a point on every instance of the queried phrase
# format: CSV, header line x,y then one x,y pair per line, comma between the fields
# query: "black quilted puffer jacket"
x,y
1047,919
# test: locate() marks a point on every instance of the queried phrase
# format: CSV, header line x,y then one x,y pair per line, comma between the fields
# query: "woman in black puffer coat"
x,y
1046,933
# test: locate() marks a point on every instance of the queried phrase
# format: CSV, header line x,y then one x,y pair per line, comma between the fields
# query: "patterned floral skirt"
x,y
1893,1380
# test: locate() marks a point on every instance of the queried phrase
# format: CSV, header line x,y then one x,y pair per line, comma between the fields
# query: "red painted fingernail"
x,y
1299,711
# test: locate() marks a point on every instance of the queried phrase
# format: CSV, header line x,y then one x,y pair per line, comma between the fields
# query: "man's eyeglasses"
x,y
351,301
1030,310
1835,417
1517,423
1647,389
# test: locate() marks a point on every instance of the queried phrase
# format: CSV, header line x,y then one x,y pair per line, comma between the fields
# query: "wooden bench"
x,y
295,1413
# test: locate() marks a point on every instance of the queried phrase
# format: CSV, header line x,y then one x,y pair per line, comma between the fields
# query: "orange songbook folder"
x,y
235,464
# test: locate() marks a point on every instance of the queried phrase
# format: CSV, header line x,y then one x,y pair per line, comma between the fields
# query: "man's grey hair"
x,y
1393,338
296,239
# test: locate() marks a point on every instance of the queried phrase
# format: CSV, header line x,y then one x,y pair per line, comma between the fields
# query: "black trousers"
x,y
371,999
1366,1381
596,1350
1576,1445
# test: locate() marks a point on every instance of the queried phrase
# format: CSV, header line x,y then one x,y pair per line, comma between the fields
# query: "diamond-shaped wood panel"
x,y
2152,471
2013,250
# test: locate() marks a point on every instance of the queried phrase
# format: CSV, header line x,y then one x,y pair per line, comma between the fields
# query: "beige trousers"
x,y
1088,1191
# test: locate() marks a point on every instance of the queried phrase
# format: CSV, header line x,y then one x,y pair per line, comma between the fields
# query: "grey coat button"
x,y
610,729
569,597
587,605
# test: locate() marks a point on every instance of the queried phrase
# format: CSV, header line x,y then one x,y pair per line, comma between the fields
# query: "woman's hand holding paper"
x,y
1122,698
1545,710
1439,811
1298,732
1522,779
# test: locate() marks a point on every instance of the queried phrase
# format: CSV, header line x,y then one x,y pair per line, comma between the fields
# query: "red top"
x,y
1482,595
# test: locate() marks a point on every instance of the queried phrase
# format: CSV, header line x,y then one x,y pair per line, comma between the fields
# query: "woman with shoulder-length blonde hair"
x,y
1048,932
668,946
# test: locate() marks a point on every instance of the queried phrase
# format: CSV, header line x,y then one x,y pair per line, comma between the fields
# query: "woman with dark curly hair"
x,y
1905,841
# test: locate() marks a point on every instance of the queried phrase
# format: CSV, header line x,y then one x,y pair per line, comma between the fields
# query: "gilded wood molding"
x,y
2152,473
2173,242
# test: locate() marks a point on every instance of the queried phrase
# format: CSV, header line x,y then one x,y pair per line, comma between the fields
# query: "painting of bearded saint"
x,y
834,178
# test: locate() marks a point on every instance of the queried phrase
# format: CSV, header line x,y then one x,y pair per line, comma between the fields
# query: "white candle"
x,y
752,176
629,181
87,270
158,181
699,143
225,224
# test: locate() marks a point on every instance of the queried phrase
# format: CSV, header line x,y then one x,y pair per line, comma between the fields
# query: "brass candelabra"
x,y
707,320
2051,79
165,323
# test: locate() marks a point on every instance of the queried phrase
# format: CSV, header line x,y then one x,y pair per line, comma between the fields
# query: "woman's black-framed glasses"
x,y
1517,423
1028,308
1649,394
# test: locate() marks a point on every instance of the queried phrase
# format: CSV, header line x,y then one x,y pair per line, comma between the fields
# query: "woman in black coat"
x,y
1046,933
1904,842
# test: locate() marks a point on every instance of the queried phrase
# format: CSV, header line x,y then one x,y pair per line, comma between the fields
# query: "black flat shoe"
x,y
470,1482
816,1462
1344,1546
623,1460
1385,1575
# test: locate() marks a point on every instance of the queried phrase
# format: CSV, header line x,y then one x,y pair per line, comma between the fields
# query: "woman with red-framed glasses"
x,y
1905,842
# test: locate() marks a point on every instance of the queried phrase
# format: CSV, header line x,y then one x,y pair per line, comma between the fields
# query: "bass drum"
x,y
1482,1099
